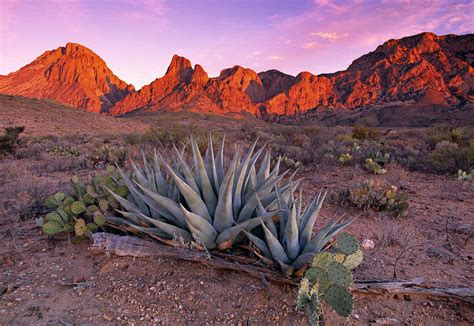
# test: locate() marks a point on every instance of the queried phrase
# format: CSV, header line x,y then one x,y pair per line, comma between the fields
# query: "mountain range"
x,y
423,69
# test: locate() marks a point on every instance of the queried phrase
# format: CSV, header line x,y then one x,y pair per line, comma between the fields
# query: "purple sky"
x,y
137,38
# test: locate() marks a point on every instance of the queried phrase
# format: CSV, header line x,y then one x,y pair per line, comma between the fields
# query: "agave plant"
x,y
292,244
203,200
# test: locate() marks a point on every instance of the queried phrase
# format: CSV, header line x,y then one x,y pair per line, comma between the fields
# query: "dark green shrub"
x,y
9,141
360,132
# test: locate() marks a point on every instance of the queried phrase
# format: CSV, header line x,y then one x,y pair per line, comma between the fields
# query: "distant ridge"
x,y
423,69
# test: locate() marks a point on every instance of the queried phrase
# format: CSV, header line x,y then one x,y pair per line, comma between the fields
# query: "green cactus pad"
x,y
92,209
50,202
103,205
339,274
78,207
63,215
354,260
68,200
340,299
68,228
53,217
122,191
91,191
91,227
322,260
320,277
59,196
99,219
88,199
52,227
347,244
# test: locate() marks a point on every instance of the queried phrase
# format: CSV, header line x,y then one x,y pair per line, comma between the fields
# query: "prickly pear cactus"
x,y
83,211
329,279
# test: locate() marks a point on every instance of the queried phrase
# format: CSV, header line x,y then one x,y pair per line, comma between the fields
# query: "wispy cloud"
x,y
330,36
275,57
310,45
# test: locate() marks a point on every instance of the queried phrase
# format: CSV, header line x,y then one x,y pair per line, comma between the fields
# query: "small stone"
x,y
367,244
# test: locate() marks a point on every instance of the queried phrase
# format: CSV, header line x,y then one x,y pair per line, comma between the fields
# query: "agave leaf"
x,y
251,182
230,233
325,235
167,207
284,216
188,176
302,259
264,171
309,219
250,168
168,228
291,234
151,231
129,206
210,164
259,243
146,167
238,185
193,199
277,250
220,162
161,184
205,185
224,215
200,228
134,193
139,175
133,217
252,202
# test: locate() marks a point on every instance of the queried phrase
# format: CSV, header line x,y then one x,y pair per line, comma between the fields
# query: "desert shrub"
x,y
448,157
344,158
458,135
82,212
373,195
329,279
9,141
376,164
360,132
65,151
107,154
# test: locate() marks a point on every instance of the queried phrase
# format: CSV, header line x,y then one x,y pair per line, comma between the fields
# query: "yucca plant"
x,y
203,200
291,243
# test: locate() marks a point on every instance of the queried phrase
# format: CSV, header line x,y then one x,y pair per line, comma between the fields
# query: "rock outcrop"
x,y
72,75
421,69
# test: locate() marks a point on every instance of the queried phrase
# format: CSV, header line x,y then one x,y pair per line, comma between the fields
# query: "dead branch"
x,y
133,246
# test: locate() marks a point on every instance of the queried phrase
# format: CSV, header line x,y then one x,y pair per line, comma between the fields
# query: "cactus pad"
x,y
340,299
91,191
99,219
347,244
68,200
91,210
59,196
340,258
63,215
88,199
78,207
75,179
354,260
53,217
122,191
103,205
322,260
80,228
52,227
91,227
339,274
304,296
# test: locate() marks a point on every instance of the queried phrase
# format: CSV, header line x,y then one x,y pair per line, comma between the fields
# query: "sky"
x,y
137,38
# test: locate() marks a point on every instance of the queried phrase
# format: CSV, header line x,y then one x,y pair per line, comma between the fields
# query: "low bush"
x,y
373,195
360,132
9,141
